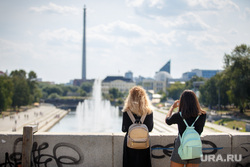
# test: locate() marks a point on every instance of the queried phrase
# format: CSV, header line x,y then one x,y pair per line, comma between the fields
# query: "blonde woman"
x,y
138,103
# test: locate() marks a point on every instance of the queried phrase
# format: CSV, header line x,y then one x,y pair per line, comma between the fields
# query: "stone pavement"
x,y
45,116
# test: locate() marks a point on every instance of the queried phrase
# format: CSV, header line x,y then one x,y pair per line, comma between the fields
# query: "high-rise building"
x,y
84,45
166,67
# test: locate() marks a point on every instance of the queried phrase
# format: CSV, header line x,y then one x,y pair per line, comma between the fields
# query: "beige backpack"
x,y
138,136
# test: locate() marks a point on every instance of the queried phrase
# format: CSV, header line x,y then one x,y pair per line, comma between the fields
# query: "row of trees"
x,y
18,89
57,91
21,89
231,86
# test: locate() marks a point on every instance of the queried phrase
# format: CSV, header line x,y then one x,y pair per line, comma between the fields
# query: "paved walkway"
x,y
45,116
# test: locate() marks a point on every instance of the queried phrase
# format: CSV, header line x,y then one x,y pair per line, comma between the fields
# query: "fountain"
x,y
95,113
92,115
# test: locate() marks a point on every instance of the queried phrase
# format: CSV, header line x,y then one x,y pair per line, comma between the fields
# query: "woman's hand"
x,y
176,104
202,111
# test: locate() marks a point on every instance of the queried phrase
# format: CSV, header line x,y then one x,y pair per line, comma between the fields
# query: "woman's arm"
x,y
149,121
175,105
126,122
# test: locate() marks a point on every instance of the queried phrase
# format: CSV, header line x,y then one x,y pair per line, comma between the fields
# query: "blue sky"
x,y
138,35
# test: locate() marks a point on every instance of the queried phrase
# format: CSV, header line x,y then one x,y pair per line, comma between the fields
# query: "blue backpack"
x,y
190,142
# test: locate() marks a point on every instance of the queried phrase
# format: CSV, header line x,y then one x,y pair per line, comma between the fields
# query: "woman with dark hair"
x,y
190,108
139,104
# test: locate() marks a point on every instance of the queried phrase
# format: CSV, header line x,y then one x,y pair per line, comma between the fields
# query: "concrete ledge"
x,y
91,149
241,147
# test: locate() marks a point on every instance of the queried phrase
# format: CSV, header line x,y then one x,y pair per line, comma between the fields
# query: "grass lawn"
x,y
230,123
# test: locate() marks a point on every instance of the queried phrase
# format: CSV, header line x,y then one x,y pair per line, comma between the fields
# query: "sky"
x,y
121,35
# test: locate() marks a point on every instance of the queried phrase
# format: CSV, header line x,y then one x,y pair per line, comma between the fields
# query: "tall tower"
x,y
84,45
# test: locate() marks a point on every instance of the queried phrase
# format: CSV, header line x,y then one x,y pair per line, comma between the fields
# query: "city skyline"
x,y
138,36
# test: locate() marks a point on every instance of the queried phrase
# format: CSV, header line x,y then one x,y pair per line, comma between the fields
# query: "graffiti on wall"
x,y
244,148
69,154
39,158
208,148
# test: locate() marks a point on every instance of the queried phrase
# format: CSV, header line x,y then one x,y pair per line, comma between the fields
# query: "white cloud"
x,y
165,8
53,8
145,33
134,3
119,28
62,34
213,4
207,42
9,48
233,32
156,3
247,13
188,21
120,32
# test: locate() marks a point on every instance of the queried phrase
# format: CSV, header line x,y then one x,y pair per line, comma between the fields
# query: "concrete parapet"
x,y
215,147
161,148
241,149
91,149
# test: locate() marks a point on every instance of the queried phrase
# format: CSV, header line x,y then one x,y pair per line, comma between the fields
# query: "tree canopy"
x,y
17,89
231,86
237,70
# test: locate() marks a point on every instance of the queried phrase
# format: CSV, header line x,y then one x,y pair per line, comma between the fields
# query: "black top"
x,y
136,157
126,121
177,119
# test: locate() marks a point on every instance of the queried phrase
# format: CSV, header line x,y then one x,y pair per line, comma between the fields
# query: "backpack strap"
x,y
192,123
132,118
143,117
195,120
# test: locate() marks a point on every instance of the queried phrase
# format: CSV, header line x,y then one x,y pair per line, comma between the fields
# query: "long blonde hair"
x,y
137,101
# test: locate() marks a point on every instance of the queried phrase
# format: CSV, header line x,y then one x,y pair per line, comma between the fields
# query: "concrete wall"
x,y
105,150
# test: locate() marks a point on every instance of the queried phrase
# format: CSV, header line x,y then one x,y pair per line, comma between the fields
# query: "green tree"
x,y
35,92
49,89
175,90
222,88
164,97
237,68
114,96
21,92
26,90
189,84
37,95
54,96
115,93
208,92
18,73
6,92
87,87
